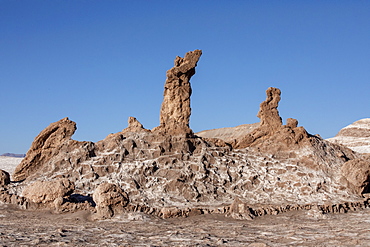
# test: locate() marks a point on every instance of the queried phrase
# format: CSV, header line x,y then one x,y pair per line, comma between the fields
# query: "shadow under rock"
x,y
78,198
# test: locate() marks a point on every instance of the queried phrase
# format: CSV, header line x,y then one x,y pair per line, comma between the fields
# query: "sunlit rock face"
x,y
175,110
171,172
356,136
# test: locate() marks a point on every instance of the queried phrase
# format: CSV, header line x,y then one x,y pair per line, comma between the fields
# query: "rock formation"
x,y
54,139
170,172
44,146
357,173
271,125
134,126
48,191
4,178
110,199
268,113
356,136
175,111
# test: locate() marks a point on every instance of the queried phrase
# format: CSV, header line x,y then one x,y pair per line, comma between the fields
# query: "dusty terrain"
x,y
296,228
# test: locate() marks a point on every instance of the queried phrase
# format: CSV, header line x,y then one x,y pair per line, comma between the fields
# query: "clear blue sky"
x,y
99,62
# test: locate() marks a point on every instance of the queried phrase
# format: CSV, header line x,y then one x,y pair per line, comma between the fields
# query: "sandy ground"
x,y
303,228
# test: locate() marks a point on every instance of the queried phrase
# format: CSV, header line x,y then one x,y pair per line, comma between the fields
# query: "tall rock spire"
x,y
175,110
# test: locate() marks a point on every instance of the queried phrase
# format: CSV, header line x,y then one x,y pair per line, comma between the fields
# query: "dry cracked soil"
x,y
295,228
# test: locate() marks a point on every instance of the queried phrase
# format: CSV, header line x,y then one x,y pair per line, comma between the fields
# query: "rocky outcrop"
x,y
357,173
4,178
54,140
134,126
268,113
170,172
110,199
48,191
355,136
175,111
271,126
44,147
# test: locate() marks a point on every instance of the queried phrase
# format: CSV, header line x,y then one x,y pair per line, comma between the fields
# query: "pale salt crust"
x,y
9,163
357,144
361,124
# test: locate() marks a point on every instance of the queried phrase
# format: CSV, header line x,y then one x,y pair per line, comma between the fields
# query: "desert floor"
x,y
299,228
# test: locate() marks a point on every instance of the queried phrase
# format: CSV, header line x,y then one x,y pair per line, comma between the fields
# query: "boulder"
x,y
357,173
175,110
44,147
170,212
48,191
4,178
240,210
110,199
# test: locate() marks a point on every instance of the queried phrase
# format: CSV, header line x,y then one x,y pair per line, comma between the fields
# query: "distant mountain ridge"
x,y
14,155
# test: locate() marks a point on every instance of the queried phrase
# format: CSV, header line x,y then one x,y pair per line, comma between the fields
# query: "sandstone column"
x,y
175,110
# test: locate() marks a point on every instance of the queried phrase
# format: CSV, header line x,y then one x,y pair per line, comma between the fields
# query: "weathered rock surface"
x,y
48,191
44,147
54,141
357,173
271,126
175,111
134,126
4,178
110,199
170,172
268,113
356,136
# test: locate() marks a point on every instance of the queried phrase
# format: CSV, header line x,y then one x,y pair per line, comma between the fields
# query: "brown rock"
x,y
134,126
48,191
240,210
272,135
170,212
175,110
110,199
4,178
270,121
292,123
268,113
44,147
357,173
